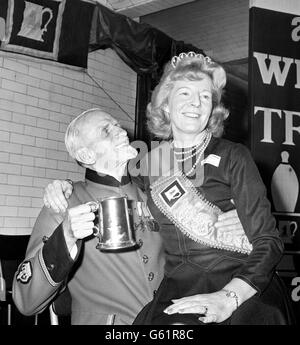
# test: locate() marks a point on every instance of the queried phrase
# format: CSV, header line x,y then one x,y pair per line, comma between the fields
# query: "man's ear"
x,y
85,156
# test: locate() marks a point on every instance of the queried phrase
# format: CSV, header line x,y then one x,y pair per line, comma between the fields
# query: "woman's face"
x,y
190,106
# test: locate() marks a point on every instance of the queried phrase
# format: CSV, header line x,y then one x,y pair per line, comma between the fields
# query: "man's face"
x,y
103,134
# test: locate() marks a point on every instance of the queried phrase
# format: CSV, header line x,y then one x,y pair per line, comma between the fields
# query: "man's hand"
x,y
229,221
78,223
56,195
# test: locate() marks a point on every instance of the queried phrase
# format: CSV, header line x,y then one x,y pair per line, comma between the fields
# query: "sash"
x,y
179,200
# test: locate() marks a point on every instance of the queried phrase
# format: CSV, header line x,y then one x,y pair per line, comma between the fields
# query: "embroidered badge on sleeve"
x,y
25,272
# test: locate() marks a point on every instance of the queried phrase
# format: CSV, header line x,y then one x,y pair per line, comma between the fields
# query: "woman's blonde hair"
x,y
186,68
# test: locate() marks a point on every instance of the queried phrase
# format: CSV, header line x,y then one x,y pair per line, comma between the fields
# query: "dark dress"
x,y
193,268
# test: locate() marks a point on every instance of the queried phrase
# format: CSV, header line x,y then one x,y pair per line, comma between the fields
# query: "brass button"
x,y
50,267
150,276
145,259
140,243
154,292
45,239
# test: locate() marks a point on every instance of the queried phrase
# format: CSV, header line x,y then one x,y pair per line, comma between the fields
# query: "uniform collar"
x,y
108,180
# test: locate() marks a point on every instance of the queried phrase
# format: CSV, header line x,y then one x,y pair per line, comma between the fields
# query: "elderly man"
x,y
105,287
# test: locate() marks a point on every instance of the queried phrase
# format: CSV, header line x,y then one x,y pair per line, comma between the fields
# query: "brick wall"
x,y
37,101
219,27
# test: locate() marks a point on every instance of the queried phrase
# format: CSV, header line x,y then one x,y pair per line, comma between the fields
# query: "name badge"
x,y
212,159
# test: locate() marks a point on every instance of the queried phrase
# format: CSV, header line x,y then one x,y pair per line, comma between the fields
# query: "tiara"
x,y
181,56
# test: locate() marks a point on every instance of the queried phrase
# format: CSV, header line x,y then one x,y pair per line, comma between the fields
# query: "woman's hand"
x,y
229,221
56,195
213,307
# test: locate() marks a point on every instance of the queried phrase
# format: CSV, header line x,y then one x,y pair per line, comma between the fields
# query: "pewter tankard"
x,y
113,226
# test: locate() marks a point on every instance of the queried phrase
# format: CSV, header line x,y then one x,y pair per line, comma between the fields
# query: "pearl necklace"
x,y
188,151
200,153
198,146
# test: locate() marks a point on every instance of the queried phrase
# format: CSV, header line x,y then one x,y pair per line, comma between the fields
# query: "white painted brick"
x,y
8,95
28,212
47,124
61,99
58,136
11,127
8,211
51,87
38,73
21,159
63,81
33,171
76,176
60,117
13,86
80,104
3,178
8,74
37,202
27,80
72,93
12,106
22,139
52,106
20,180
31,191
52,69
55,154
67,166
37,92
5,115
11,222
33,151
24,119
87,88
37,112
4,156
9,190
10,168
2,199
70,110
4,135
46,163
45,143
56,174
35,131
15,66
62,147
63,127
41,182
18,201
9,147
72,74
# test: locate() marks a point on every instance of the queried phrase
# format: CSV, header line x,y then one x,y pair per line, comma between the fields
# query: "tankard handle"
x,y
97,231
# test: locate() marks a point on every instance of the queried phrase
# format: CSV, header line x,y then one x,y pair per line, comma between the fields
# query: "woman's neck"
x,y
189,140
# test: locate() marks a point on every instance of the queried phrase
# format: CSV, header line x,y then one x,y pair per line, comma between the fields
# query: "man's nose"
x,y
120,131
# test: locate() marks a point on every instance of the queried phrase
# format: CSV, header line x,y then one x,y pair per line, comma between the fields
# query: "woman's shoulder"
x,y
222,145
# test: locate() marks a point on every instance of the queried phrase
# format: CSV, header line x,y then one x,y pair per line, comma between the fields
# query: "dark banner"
x,y
51,29
274,76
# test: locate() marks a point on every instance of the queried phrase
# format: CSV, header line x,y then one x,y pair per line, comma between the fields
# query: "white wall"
x,y
37,101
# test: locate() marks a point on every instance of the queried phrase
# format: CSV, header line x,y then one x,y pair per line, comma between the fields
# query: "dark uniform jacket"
x,y
104,286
